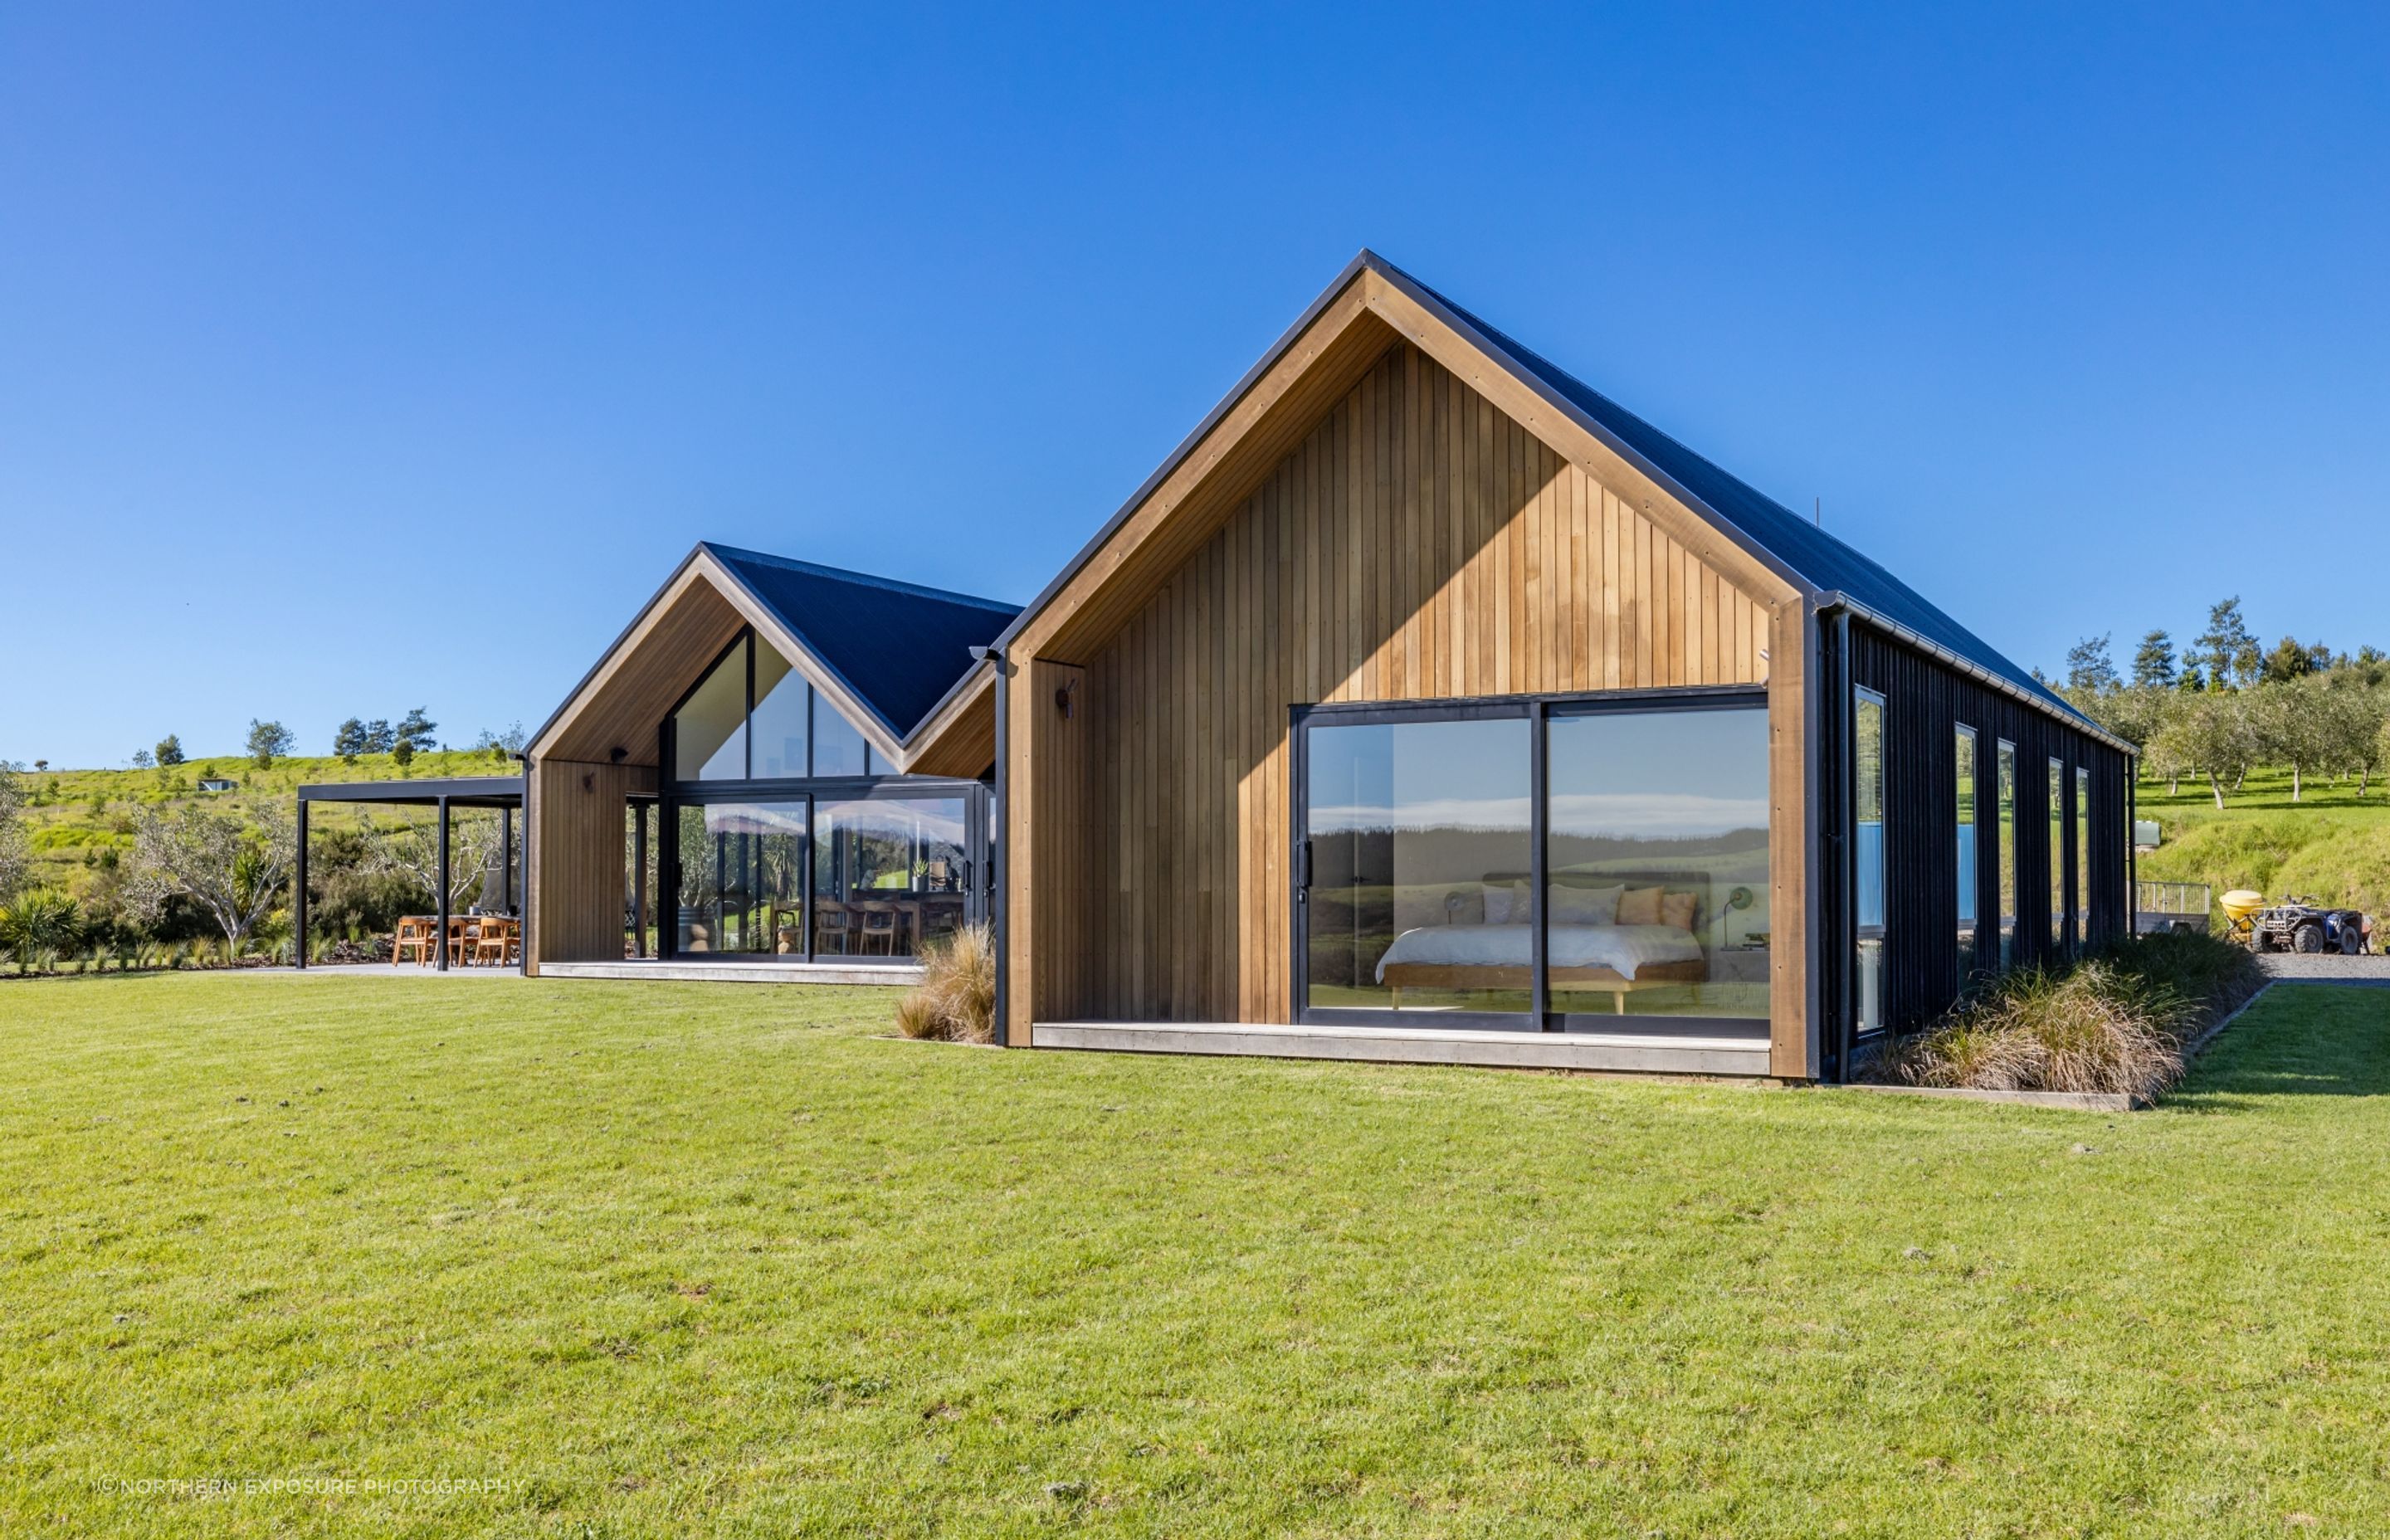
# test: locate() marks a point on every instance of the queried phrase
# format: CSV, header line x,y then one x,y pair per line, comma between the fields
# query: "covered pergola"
x,y
502,792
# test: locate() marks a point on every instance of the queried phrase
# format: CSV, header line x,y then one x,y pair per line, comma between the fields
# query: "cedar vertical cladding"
x,y
1417,544
1927,701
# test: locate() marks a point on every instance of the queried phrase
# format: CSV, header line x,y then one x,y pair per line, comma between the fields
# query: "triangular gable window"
x,y
753,717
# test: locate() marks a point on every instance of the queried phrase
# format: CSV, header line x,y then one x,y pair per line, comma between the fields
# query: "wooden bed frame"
x,y
1402,976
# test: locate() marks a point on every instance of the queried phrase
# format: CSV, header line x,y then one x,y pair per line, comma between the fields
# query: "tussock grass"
x,y
2120,1019
956,999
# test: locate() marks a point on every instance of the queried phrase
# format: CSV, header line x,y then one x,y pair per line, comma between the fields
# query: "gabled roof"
x,y
1808,560
1825,563
897,646
897,660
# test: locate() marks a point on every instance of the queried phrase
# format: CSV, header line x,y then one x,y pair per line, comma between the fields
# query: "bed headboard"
x,y
1698,883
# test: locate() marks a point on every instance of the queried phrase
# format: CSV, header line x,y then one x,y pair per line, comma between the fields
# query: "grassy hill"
x,y
2330,844
80,821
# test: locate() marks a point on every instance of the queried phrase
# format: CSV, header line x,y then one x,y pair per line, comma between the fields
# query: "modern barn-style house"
x,y
1424,705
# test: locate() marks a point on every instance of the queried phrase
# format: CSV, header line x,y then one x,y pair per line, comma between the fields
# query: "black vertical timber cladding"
x,y
1925,703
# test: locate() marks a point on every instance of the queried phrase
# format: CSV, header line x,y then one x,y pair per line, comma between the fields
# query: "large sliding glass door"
x,y
890,876
851,869
740,869
1590,863
1421,854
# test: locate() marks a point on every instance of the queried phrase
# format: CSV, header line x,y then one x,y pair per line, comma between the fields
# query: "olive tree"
x,y
412,850
14,852
2212,734
237,871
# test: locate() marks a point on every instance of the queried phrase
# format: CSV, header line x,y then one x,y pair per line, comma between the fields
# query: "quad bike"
x,y
2302,925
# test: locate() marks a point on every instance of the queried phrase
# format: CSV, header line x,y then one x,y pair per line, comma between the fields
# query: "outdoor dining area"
x,y
472,940
488,934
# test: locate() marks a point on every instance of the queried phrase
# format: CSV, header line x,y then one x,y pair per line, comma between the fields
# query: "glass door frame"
x,y
1538,710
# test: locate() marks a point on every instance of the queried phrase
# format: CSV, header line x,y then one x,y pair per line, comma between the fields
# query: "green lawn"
x,y
672,1260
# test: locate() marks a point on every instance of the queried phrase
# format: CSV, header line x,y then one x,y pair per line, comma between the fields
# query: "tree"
x,y
413,852
402,754
415,728
349,740
143,759
2226,649
2193,679
268,739
2350,716
236,872
15,854
380,738
499,745
2154,662
2292,660
2282,726
2088,667
2210,734
170,751
2136,713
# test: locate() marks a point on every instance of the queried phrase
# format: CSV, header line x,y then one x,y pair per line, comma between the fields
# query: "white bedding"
x,y
1622,948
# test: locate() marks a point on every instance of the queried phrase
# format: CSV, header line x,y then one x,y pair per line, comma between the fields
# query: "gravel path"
x,y
2327,968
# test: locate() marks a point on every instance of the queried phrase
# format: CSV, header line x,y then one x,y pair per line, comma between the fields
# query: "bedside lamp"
x,y
1739,899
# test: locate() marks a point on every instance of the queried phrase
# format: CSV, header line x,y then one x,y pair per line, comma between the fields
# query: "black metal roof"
x,y
460,790
897,646
1825,563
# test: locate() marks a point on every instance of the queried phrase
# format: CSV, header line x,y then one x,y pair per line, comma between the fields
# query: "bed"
x,y
1618,959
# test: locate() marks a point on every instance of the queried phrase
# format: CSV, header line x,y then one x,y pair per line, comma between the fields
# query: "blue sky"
x,y
363,358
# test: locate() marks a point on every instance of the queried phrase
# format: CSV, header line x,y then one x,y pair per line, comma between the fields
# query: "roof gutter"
x,y
1837,600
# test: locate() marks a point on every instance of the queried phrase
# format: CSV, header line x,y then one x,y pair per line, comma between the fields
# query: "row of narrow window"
x,y
1869,731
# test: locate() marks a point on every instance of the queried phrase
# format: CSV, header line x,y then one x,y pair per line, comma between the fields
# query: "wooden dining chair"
x,y
833,921
461,938
413,935
880,925
495,941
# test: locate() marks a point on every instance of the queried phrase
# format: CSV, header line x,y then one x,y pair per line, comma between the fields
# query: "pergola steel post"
x,y
298,897
440,936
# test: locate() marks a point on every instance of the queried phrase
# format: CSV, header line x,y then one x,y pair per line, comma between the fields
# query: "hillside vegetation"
x,y
2330,844
79,823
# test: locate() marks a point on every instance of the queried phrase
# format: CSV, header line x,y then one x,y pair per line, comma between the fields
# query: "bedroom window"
x,y
2007,813
1866,764
1441,863
2057,853
2082,854
1656,863
1964,749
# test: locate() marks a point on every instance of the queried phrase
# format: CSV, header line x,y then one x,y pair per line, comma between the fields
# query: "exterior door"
x,y
1414,868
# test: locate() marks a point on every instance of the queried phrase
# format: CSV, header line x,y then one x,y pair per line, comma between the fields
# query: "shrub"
x,y
2120,1019
956,999
37,923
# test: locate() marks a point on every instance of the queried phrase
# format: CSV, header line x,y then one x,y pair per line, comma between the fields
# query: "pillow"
x,y
1586,906
1506,902
1677,909
1640,906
